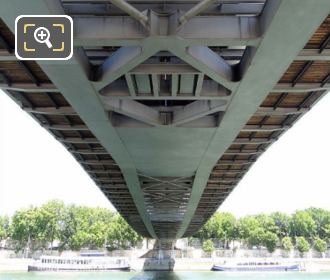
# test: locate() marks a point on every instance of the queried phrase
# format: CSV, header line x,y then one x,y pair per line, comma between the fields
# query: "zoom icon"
x,y
43,37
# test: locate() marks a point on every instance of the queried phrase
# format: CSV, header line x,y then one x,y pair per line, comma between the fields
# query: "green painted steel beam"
x,y
70,77
285,32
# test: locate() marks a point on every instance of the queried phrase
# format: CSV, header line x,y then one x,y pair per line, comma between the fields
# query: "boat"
x,y
259,265
89,262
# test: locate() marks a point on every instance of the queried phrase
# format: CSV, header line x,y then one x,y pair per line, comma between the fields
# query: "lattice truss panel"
x,y
166,201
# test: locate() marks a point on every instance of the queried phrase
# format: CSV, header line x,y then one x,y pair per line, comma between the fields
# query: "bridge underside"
x,y
167,104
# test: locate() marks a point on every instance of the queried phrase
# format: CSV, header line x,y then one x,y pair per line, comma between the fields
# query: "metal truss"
x,y
168,88
166,199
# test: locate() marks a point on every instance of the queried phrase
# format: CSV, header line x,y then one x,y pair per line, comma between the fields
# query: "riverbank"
x,y
181,264
14,264
179,275
205,264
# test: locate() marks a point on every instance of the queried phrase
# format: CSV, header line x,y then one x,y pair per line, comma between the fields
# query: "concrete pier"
x,y
161,257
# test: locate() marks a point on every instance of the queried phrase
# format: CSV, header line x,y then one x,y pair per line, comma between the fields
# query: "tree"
x,y
209,230
103,220
287,243
270,241
227,223
302,224
208,246
84,227
121,235
320,245
266,223
321,217
302,244
327,232
256,237
246,226
75,227
68,227
282,224
27,230
51,215
220,226
4,226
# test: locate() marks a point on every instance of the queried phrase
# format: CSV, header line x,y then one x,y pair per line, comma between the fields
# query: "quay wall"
x,y
186,260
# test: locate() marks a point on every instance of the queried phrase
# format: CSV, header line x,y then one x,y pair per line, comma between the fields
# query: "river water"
x,y
166,276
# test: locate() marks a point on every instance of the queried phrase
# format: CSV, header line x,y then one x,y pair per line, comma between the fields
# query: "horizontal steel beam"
x,y
164,97
109,31
279,111
98,162
314,54
135,2
229,172
209,91
66,127
68,111
265,127
97,55
123,31
78,140
222,181
108,171
243,152
301,87
254,140
221,31
234,162
113,186
88,151
216,8
29,87
164,68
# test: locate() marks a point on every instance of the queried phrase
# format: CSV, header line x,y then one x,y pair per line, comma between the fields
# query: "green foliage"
x,y
208,246
302,224
266,222
287,243
121,235
320,245
226,226
302,244
27,229
326,229
207,231
4,227
261,230
246,227
282,224
51,215
75,227
270,241
86,227
256,237
321,217
221,226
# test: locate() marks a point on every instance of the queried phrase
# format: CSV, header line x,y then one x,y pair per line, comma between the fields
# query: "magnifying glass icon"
x,y
41,35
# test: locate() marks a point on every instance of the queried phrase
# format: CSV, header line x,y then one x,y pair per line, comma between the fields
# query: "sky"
x,y
292,174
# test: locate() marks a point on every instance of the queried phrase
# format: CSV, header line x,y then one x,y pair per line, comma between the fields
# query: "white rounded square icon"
x,y
40,37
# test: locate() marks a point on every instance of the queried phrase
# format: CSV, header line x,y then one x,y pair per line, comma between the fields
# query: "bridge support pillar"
x,y
161,257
